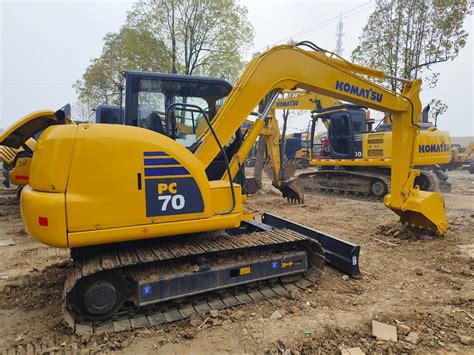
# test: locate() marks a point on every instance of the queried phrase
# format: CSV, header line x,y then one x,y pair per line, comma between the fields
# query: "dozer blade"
x,y
293,190
422,209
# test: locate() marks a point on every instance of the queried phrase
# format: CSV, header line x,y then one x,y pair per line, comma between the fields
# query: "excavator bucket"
x,y
422,209
289,169
293,190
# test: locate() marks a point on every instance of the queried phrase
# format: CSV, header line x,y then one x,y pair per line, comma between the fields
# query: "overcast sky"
x,y
46,46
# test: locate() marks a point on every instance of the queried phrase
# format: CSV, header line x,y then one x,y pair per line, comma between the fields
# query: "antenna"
x,y
339,35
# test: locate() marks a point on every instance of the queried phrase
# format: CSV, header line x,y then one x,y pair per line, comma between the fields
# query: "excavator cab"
x,y
148,96
174,105
341,135
346,125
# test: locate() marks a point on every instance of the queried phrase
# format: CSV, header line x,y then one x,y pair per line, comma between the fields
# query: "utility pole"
x,y
339,35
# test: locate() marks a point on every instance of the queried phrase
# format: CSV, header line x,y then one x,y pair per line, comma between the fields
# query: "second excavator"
x,y
357,157
148,223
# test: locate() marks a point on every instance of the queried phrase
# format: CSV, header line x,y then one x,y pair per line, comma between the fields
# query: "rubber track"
x,y
133,318
355,195
433,180
434,184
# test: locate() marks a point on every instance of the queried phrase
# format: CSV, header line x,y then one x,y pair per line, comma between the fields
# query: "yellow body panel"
x,y
36,205
430,148
101,208
131,233
19,175
52,158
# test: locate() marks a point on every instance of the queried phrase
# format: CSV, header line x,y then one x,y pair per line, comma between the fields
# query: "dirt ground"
x,y
420,282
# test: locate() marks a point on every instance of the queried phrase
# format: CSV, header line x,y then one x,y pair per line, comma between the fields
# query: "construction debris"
x,y
413,338
384,331
352,351
6,242
276,315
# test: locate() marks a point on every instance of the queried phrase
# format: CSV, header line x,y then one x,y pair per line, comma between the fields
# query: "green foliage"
x,y
437,107
405,38
130,49
193,37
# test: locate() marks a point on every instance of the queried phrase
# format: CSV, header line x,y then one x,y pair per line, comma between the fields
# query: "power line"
x,y
346,13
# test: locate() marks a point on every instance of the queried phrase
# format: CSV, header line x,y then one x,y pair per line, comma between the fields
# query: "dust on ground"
x,y
418,281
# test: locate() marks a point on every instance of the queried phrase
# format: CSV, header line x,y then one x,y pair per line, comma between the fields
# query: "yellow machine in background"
x,y
16,164
358,158
461,156
93,187
19,143
296,146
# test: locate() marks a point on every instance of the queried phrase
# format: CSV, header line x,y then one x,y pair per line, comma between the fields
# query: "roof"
x,y
198,86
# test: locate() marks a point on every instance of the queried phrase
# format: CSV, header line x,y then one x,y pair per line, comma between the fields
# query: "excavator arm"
x,y
316,72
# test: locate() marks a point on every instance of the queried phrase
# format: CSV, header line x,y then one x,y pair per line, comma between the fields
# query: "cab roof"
x,y
184,85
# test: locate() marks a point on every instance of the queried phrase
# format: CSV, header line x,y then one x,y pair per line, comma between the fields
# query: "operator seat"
x,y
156,123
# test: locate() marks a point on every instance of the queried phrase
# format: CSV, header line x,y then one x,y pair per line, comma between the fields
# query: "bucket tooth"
x,y
293,190
422,209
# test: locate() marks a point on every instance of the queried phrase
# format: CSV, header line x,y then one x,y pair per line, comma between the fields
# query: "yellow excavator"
x,y
16,164
356,158
296,146
19,146
461,156
156,238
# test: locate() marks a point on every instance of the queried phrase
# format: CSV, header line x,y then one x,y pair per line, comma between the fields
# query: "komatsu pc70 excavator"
x,y
148,224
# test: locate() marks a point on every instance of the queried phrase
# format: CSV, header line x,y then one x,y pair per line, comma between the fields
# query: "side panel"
x,y
44,216
127,176
431,147
52,158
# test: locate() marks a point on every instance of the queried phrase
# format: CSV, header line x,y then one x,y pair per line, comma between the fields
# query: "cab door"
x,y
341,136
